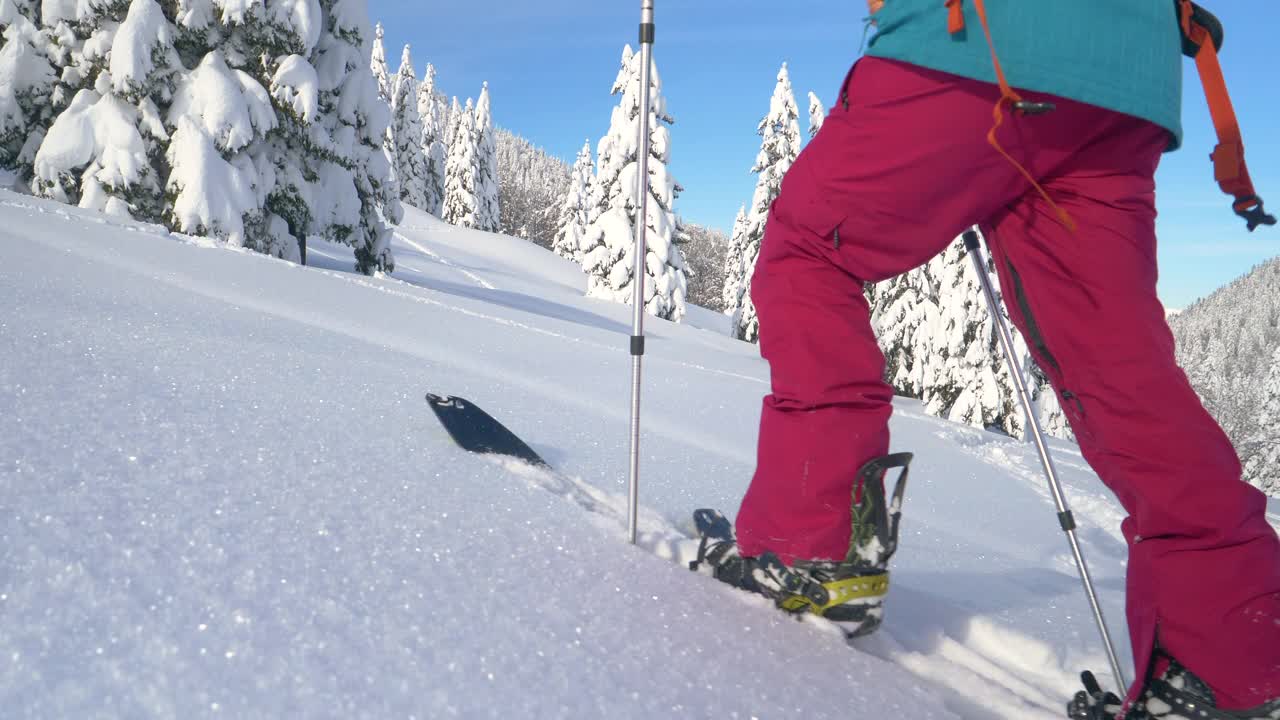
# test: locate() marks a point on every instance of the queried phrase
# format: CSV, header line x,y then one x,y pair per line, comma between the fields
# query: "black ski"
x,y
475,430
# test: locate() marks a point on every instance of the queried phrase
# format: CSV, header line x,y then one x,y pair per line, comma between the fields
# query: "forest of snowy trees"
x,y
1229,346
531,190
704,249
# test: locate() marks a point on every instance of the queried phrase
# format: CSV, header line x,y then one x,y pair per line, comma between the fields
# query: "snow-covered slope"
x,y
222,495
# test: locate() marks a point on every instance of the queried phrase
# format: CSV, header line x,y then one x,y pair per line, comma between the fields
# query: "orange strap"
x,y
1228,157
955,16
1008,97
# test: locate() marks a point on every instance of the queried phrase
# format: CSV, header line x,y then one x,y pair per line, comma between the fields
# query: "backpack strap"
x,y
955,16
1008,98
1202,36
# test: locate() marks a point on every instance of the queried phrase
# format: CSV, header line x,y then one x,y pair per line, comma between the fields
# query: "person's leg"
x,y
890,181
1204,565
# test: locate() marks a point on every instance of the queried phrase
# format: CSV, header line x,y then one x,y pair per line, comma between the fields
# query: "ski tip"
x,y
1090,683
475,430
445,400
712,523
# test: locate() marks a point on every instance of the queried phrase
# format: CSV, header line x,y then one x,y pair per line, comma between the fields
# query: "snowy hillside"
x,y
222,495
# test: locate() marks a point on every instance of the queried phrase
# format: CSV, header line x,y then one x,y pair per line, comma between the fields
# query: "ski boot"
x,y
850,592
1177,694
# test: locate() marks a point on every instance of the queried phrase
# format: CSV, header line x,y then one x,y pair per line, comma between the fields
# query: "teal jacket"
x,y
1122,55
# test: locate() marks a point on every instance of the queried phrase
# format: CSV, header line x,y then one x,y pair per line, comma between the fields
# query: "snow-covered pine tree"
x,y
488,211
460,202
452,121
734,287
385,84
217,113
433,148
574,208
279,43
427,92
904,311
406,133
1263,449
779,147
817,114
65,32
11,9
105,151
356,123
609,243
26,85
378,65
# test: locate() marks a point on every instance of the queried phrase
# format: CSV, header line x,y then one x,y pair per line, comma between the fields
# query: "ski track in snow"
x,y
982,667
141,571
444,261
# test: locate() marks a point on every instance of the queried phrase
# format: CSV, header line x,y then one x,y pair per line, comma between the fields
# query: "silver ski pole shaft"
x,y
637,281
1065,517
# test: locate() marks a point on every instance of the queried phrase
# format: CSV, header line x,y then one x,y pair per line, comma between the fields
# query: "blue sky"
x,y
550,64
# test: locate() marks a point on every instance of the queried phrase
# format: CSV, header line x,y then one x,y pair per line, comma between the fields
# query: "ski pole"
x,y
1065,517
637,281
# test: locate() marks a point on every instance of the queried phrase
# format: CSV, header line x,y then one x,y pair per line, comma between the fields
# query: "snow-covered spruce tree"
x,y
427,95
780,133
268,49
355,122
1263,449
817,114
317,167
433,149
609,247
904,313
217,114
26,85
460,202
63,25
280,45
574,207
11,9
106,150
378,65
452,121
406,133
385,84
488,211
732,287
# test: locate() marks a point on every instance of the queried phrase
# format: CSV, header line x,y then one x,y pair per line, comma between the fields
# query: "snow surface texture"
x,y
224,496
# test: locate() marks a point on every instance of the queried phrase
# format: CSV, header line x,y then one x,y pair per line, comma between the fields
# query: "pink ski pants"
x,y
900,168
